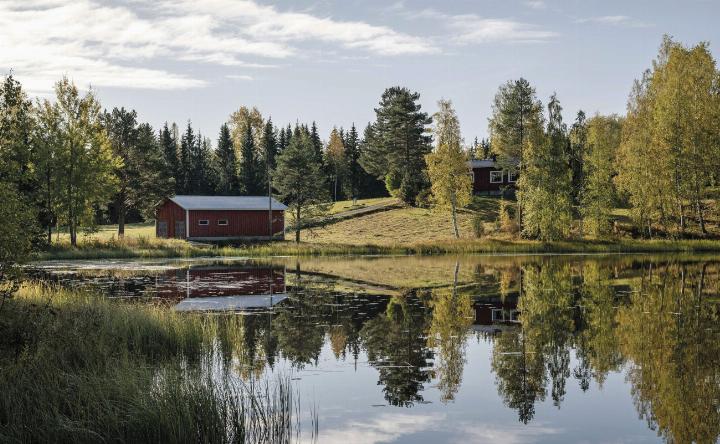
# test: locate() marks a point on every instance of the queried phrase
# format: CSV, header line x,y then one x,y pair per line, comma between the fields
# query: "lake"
x,y
509,349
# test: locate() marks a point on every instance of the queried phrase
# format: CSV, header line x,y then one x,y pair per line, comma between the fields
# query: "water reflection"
x,y
555,327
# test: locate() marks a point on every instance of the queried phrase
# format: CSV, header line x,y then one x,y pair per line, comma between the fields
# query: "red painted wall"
x,y
221,281
169,212
240,223
481,180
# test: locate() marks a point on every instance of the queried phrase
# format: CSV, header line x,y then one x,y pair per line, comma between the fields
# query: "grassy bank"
x,y
157,248
77,368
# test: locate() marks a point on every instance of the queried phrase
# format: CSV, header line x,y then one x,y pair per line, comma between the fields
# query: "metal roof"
x,y
226,203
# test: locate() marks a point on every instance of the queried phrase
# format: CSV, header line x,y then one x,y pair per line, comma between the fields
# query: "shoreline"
x,y
127,250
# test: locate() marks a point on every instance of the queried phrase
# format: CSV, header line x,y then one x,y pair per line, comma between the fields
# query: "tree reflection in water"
x,y
579,321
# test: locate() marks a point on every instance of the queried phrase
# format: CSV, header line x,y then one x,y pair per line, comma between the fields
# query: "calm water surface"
x,y
470,349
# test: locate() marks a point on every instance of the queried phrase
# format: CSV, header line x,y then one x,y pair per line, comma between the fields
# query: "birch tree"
x,y
448,169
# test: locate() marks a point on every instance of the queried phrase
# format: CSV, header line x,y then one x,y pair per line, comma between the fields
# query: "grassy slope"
x,y
399,231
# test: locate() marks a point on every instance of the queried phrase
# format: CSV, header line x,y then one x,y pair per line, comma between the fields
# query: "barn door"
x,y
162,229
180,229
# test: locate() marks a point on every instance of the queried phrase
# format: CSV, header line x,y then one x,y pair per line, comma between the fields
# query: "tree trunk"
x,y
701,216
121,217
454,218
270,216
297,225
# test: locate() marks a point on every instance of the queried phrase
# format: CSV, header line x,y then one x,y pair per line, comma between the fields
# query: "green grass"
x,y
404,230
75,367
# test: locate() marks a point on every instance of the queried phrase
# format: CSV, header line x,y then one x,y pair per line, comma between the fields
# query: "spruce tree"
x,y
298,179
250,170
170,152
577,145
184,177
352,164
226,164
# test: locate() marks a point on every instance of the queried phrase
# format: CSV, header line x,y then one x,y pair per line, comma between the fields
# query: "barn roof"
x,y
226,203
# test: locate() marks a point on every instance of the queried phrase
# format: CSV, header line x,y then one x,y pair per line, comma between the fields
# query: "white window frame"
x,y
223,222
494,173
203,222
512,176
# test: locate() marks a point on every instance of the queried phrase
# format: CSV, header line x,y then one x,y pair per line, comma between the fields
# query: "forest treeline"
x,y
67,162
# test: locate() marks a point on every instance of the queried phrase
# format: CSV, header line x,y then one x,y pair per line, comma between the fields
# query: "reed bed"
x,y
75,367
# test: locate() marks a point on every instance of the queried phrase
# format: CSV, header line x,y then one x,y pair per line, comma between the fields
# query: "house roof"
x,y
482,163
488,163
226,203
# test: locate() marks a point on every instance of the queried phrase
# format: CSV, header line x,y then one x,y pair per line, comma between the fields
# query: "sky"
x,y
329,61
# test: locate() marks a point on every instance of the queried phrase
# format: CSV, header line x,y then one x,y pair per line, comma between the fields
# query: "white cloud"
x,y
615,20
535,4
130,44
239,77
474,29
381,429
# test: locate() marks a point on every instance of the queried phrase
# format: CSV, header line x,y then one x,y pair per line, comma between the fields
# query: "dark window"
x,y
496,176
222,222
203,222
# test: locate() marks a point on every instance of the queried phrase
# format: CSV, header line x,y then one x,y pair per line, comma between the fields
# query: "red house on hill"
x,y
489,177
219,217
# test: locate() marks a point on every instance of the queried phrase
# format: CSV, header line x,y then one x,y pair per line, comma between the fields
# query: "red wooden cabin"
x,y
219,217
489,178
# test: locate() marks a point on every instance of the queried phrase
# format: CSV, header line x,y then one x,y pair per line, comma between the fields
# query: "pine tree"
x,y
544,189
269,148
226,164
121,126
298,179
516,119
448,164
396,146
250,171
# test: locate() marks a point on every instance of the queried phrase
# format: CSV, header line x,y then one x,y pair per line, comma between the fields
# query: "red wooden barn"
x,y
219,217
489,177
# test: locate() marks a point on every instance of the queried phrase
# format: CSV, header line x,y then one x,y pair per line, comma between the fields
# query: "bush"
x,y
506,218
424,199
478,226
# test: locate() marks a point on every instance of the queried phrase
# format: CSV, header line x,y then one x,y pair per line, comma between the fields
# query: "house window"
x,y
203,222
222,222
496,176
512,176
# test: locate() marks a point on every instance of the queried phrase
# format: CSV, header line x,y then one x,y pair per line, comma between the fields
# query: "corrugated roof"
x,y
226,203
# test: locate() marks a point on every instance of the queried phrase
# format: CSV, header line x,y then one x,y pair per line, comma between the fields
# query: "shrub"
x,y
478,226
506,219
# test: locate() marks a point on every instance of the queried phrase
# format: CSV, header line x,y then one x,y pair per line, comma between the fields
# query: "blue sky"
x,y
329,61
